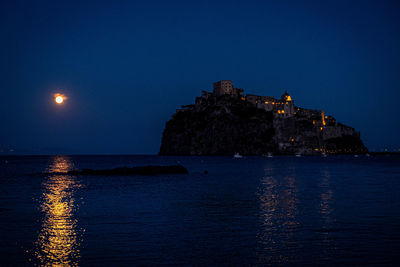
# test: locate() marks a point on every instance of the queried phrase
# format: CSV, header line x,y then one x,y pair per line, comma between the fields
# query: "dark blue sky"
x,y
127,65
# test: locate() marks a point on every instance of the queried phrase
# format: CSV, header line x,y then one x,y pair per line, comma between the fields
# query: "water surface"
x,y
253,211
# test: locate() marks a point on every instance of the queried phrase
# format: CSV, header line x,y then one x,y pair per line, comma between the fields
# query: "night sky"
x,y
127,65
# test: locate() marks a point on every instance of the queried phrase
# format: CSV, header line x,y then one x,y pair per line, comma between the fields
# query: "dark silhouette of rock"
x,y
225,125
143,170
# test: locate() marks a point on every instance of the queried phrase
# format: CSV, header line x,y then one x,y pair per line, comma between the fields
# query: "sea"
x,y
253,211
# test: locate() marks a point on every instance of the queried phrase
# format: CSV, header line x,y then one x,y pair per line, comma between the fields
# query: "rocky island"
x,y
226,121
139,170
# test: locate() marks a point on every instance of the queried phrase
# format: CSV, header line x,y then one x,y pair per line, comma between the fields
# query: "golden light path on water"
x,y
59,240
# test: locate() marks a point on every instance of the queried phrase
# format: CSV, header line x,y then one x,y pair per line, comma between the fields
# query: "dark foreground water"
x,y
288,211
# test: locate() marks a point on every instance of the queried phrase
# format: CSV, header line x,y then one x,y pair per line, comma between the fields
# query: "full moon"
x,y
59,99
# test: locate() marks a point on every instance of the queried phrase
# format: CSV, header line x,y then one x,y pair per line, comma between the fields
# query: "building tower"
x,y
288,105
223,87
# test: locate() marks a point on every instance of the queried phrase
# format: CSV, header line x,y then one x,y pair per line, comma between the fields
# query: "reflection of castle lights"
x,y
326,199
59,240
278,217
278,214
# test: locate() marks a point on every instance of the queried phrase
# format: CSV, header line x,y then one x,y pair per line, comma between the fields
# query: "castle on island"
x,y
265,123
283,107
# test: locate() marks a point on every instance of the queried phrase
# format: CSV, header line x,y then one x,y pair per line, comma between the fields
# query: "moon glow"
x,y
59,98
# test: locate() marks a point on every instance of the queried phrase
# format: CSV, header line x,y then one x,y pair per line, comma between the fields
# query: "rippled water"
x,y
286,211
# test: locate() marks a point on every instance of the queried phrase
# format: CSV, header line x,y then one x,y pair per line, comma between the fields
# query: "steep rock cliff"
x,y
228,125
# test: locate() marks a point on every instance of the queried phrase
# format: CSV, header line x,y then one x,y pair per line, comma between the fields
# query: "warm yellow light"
x,y
288,98
59,99
58,242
